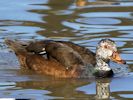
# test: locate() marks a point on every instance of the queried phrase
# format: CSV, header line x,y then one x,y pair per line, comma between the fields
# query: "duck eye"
x,y
106,46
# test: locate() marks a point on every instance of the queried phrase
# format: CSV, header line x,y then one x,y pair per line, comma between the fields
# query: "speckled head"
x,y
108,43
107,50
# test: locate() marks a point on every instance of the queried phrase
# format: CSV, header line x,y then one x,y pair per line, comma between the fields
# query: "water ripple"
x,y
9,9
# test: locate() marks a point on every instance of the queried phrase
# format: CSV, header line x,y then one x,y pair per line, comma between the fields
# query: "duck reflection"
x,y
68,88
58,88
103,89
89,89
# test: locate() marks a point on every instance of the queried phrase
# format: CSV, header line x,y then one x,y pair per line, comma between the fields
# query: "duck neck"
x,y
101,65
102,69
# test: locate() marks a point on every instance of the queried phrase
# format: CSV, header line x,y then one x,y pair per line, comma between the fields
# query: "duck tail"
x,y
19,48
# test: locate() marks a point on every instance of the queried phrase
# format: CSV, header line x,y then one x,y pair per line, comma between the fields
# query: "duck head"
x,y
106,51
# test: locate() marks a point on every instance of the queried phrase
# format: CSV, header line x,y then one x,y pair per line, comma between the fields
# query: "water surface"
x,y
81,21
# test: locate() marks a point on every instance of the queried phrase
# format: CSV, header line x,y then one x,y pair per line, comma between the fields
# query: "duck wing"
x,y
64,54
67,53
87,55
38,47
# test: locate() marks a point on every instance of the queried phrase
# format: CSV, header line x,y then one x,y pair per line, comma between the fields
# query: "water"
x,y
81,21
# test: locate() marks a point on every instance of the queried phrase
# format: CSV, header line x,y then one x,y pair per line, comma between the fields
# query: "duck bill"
x,y
116,58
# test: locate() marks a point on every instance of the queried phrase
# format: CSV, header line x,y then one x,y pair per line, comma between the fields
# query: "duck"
x,y
65,59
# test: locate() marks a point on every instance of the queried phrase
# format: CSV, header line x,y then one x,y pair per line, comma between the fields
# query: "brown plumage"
x,y
62,59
